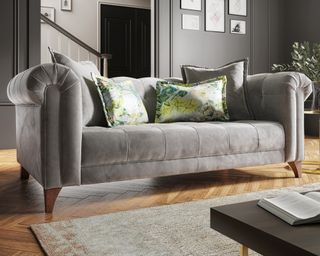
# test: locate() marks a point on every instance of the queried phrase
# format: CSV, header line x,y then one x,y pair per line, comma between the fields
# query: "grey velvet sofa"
x,y
62,139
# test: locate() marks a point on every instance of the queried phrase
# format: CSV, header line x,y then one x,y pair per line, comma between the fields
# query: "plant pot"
x,y
312,124
315,96
312,118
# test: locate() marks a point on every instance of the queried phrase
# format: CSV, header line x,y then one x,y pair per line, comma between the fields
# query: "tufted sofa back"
x,y
92,111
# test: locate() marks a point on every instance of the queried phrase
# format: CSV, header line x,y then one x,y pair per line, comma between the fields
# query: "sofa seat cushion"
x,y
157,142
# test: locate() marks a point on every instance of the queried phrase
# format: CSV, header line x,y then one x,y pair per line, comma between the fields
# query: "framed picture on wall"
x,y
238,27
215,15
194,5
238,7
66,5
191,22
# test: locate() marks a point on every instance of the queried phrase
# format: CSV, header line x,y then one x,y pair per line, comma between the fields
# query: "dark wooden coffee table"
x,y
259,230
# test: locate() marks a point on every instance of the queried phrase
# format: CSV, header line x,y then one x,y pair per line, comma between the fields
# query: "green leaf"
x,y
305,58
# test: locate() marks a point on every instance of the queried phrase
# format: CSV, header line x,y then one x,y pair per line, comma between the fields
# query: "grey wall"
x,y
8,67
288,21
7,127
86,29
267,34
263,43
19,49
302,22
206,48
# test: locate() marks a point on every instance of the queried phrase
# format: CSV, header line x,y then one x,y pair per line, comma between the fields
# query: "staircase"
x,y
62,41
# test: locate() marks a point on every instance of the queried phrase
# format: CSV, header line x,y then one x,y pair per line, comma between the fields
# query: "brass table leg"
x,y
244,250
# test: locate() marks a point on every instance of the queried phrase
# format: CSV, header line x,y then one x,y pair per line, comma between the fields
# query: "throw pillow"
x,y
121,102
205,101
236,73
91,106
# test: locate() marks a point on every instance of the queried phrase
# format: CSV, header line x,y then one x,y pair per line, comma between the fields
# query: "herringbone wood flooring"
x,y
21,203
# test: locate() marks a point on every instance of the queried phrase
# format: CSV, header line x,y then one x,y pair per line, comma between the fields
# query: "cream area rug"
x,y
175,230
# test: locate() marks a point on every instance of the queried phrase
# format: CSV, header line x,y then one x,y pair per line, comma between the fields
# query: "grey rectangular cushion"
x,y
236,73
158,142
91,104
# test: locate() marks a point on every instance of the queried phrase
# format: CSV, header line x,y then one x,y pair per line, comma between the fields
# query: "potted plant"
x,y
305,59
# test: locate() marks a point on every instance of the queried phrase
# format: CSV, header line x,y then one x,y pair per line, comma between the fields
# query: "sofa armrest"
x,y
280,97
48,124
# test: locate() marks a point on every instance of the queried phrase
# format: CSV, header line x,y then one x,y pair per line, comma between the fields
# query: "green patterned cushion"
x,y
121,102
205,101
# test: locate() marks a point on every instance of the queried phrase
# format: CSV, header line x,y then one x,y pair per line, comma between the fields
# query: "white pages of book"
x,y
294,207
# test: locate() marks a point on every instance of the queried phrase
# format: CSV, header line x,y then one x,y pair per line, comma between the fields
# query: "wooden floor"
x,y
21,203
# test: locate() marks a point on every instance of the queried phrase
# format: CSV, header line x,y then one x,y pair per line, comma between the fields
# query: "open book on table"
x,y
294,208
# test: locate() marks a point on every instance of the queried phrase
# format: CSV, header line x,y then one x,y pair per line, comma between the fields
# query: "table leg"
x,y
244,250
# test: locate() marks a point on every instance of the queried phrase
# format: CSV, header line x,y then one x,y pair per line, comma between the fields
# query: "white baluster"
x,y
59,43
69,48
105,67
48,44
78,53
98,63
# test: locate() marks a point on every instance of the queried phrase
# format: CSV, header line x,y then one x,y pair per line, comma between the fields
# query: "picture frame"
x,y
215,16
238,27
49,12
190,22
66,5
238,7
194,5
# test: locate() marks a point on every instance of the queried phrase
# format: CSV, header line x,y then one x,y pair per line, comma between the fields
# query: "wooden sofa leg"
x,y
50,197
24,175
296,168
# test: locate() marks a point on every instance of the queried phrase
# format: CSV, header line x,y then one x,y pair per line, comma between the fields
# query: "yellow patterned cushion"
x,y
205,101
121,102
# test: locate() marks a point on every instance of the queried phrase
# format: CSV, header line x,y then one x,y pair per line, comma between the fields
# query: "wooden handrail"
x,y
75,39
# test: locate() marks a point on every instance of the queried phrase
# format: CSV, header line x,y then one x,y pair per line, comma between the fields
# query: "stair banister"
x,y
101,56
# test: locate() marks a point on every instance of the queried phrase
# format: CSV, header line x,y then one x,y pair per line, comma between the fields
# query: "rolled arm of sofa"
x,y
280,97
48,124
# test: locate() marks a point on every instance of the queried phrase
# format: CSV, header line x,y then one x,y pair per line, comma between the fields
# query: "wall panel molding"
x,y
262,43
20,48
177,46
252,41
171,38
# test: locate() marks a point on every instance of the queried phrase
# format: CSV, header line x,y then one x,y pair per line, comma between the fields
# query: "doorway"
x,y
126,34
